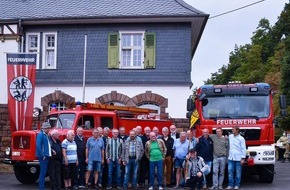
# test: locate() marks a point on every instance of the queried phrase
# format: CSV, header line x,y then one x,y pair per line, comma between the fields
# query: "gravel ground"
x,y
6,168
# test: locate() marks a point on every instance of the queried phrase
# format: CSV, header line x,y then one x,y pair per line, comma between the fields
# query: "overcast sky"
x,y
222,33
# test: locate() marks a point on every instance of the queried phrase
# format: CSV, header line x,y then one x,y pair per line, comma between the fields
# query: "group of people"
x,y
127,161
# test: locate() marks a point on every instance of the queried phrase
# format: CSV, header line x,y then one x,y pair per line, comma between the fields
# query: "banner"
x,y
194,118
21,72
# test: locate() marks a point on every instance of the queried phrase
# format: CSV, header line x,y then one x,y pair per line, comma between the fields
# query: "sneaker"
x,y
213,187
95,186
150,188
109,187
220,187
160,188
100,185
82,187
204,186
118,187
76,187
236,187
229,188
176,187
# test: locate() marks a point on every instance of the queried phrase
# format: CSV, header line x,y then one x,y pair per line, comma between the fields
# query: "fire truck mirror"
x,y
190,104
282,102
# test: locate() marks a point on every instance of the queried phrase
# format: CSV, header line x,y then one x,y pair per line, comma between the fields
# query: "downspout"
x,y
20,38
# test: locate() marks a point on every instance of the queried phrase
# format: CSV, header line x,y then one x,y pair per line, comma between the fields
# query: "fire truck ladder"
x,y
95,106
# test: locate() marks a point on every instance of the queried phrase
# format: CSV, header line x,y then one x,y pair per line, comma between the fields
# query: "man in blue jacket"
x,y
43,152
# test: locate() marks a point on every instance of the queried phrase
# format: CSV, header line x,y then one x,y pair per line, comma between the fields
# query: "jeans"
x,y
153,165
42,173
209,163
134,164
114,167
219,165
234,166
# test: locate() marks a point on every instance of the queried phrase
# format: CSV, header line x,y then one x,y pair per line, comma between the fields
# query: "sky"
x,y
222,33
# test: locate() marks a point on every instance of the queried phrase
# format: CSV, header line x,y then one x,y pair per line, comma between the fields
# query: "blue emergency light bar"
x,y
236,89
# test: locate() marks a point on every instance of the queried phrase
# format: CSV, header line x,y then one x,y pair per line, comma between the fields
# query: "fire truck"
x,y
86,115
248,106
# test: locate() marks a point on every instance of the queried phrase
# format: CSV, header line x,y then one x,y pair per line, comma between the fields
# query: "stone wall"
x,y
5,134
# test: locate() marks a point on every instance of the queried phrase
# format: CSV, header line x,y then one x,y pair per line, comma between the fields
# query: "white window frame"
x,y
32,49
121,66
44,50
59,106
153,107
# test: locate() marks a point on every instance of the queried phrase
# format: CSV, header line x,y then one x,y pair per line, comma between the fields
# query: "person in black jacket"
x,y
144,170
173,133
168,160
81,152
204,149
55,161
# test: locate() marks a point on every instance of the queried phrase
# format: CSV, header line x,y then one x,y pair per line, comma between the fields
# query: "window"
x,y
62,121
49,50
33,45
107,122
152,107
86,122
59,106
131,50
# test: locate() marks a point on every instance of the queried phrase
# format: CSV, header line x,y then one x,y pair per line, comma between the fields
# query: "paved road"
x,y
281,181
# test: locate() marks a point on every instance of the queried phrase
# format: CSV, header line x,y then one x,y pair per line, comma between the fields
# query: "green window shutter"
x,y
150,50
113,51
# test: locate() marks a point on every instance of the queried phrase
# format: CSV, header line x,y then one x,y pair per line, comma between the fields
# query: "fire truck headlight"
x,y
269,153
7,151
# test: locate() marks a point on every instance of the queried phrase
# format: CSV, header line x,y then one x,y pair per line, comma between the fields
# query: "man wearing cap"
x,y
43,152
194,168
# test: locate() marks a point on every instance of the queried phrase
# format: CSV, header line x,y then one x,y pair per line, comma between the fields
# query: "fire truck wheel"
x,y
266,174
24,175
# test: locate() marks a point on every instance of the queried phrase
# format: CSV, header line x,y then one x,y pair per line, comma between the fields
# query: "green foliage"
x,y
265,59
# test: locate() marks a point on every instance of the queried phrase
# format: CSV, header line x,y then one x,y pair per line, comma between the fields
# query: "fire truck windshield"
x,y
62,121
237,107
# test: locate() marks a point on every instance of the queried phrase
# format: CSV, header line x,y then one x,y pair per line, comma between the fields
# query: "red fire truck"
x,y
248,106
86,115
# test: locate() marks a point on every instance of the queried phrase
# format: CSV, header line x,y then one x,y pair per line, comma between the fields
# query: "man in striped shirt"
x,y
70,158
113,158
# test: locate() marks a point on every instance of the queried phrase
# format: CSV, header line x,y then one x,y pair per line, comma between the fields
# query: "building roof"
x,y
51,9
48,12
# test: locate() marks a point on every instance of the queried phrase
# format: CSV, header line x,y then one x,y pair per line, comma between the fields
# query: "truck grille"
x,y
21,142
248,133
